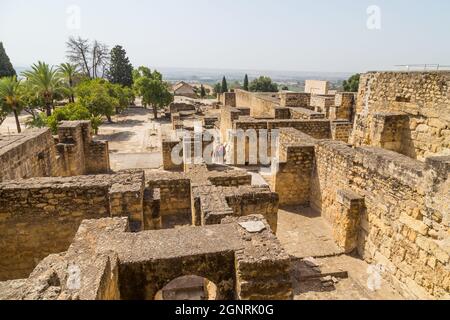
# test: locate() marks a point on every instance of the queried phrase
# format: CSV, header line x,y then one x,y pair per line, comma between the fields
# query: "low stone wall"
x,y
341,130
31,154
260,104
344,107
294,99
292,175
175,196
116,264
40,216
305,114
227,99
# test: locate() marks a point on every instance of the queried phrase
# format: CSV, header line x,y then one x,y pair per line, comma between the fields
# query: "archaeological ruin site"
x,y
321,195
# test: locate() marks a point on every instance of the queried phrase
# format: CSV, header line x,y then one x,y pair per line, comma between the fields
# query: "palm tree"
x,y
69,72
46,82
11,98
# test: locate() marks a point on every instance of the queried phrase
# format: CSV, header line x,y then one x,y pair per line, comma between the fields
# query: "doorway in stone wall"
x,y
187,288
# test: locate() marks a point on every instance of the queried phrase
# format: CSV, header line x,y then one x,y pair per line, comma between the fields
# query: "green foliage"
x,y
263,84
352,84
11,97
99,97
217,89
69,72
224,87
246,84
38,120
70,112
202,91
120,70
6,68
152,89
45,82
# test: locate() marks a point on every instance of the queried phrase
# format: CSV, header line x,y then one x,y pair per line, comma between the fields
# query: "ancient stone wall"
x,y
316,86
344,107
261,104
424,97
294,99
117,264
292,175
403,212
40,216
175,196
228,99
305,114
31,154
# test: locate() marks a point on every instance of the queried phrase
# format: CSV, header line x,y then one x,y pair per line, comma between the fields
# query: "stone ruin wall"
x,y
28,155
36,153
260,104
40,216
422,97
117,264
392,208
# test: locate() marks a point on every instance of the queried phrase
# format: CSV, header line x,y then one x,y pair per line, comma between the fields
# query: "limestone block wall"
x,y
305,114
116,264
322,103
175,196
341,130
292,175
316,86
404,220
40,216
423,96
31,154
294,99
344,107
261,104
228,99
79,154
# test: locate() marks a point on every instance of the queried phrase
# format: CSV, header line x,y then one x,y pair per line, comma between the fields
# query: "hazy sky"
x,y
296,35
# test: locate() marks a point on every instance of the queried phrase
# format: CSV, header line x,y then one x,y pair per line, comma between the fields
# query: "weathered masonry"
x,y
116,264
406,112
36,153
391,209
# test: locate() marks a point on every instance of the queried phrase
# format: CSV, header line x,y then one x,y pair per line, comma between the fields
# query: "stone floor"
x,y
134,140
304,233
332,275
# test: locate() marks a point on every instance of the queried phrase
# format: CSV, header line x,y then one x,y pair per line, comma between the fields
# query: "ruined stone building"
x,y
374,165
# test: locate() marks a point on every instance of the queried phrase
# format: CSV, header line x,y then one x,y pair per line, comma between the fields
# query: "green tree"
x,y
246,83
69,73
217,89
11,99
120,70
46,82
96,96
6,68
224,86
70,112
263,84
352,84
202,92
153,90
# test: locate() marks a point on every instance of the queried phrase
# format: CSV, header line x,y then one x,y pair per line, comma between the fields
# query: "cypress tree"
x,y
6,68
121,70
246,83
202,91
224,85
